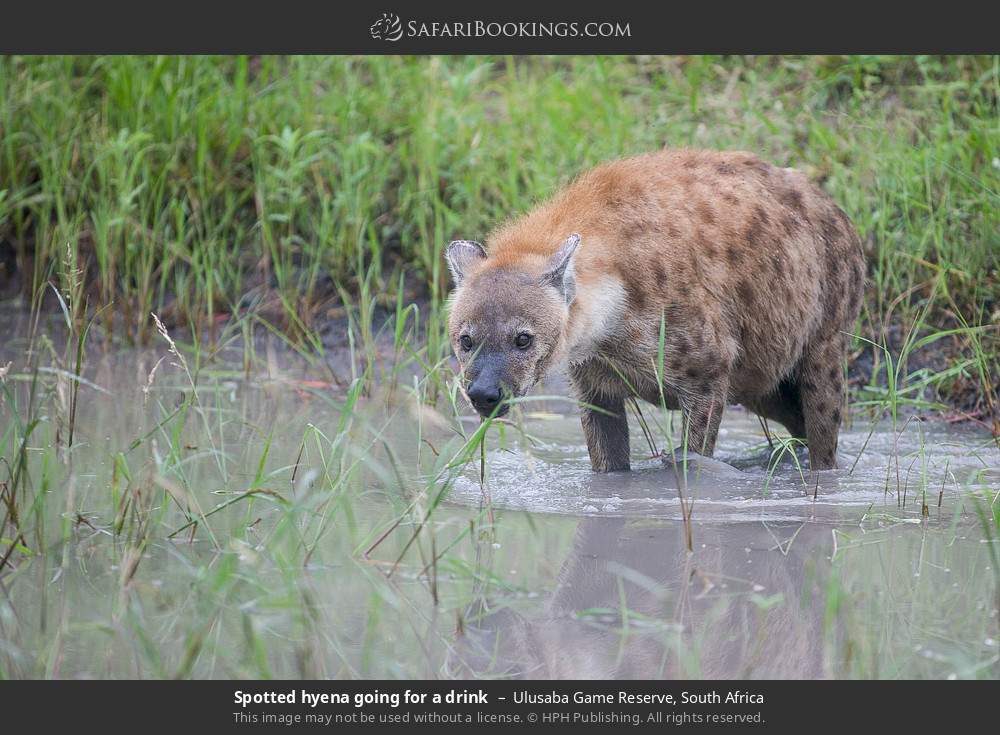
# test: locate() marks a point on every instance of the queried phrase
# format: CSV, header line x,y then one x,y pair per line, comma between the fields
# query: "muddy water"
x,y
747,480
345,566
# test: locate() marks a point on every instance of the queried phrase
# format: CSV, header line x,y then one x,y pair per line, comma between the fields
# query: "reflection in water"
x,y
753,597
631,602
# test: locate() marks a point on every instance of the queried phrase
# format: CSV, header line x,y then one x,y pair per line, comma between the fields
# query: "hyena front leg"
x,y
605,425
821,383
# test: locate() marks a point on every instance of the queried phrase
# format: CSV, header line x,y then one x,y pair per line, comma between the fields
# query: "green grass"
x,y
202,186
240,195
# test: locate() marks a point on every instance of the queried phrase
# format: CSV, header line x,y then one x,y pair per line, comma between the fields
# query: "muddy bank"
x,y
958,397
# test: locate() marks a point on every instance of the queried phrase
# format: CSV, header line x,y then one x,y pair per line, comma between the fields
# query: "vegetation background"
x,y
268,191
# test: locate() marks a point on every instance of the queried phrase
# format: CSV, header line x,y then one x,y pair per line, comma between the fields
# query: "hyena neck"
x,y
595,315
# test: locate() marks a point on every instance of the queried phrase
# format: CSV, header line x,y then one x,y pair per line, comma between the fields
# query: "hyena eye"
x,y
523,341
466,342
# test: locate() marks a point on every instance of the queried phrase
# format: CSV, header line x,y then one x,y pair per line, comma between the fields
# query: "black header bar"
x,y
448,27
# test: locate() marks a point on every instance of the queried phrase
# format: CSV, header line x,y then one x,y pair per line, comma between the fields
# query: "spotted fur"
x,y
755,272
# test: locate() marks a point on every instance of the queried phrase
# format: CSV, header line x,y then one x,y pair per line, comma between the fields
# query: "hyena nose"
x,y
484,397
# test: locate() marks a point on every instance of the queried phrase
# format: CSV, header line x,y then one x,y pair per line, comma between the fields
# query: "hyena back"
x,y
751,275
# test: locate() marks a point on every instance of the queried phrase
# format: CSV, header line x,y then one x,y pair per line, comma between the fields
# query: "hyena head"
x,y
508,321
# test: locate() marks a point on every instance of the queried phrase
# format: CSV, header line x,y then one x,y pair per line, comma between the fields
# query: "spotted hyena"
x,y
752,274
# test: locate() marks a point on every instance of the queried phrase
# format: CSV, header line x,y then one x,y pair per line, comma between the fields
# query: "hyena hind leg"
x,y
822,386
784,405
606,430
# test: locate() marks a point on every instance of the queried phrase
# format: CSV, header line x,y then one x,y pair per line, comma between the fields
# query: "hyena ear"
x,y
560,272
461,254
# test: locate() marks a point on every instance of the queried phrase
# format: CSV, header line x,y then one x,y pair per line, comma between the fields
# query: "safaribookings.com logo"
x,y
387,28
390,28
